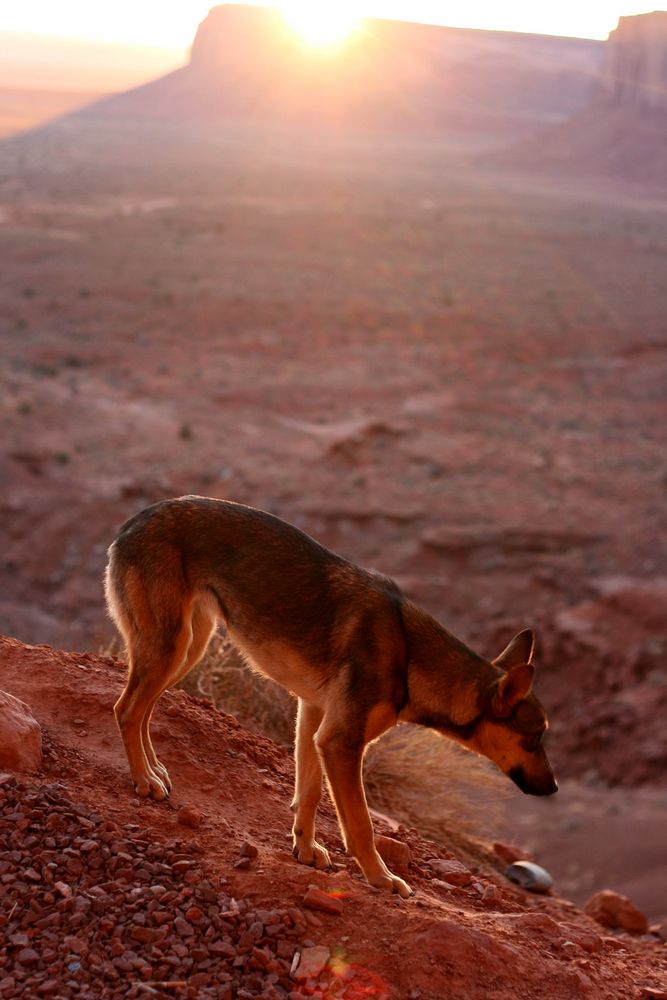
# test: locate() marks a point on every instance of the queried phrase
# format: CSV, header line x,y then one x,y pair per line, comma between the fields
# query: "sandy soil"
x,y
443,942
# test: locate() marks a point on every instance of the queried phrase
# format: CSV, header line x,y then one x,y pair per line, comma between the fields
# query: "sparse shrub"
x,y
185,432
72,361
260,704
24,408
62,457
28,293
427,781
412,774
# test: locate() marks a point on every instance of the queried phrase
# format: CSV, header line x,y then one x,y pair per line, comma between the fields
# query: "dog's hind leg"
x,y
308,789
202,626
342,751
153,659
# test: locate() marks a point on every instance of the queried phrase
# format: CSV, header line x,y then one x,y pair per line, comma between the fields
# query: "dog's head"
x,y
511,728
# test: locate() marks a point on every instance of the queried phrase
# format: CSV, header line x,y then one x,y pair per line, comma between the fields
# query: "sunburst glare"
x,y
321,25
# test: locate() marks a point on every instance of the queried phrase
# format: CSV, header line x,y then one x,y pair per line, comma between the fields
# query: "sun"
x,y
318,24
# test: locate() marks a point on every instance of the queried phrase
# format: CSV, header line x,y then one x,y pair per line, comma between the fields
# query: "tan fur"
x,y
357,654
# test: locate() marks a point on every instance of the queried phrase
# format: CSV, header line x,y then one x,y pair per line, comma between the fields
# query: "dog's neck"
x,y
447,683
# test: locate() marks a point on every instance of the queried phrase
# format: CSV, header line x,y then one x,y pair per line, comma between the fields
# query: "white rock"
x,y
313,961
529,876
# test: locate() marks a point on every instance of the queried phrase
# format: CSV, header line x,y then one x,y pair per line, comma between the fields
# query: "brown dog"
x,y
359,656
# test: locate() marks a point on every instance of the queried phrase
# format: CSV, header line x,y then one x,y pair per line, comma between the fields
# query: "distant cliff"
x,y
635,67
247,65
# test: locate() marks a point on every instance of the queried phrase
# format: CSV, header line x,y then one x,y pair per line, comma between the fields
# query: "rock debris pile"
x,y
89,909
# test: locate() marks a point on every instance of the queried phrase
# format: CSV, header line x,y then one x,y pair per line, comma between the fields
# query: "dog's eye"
x,y
533,742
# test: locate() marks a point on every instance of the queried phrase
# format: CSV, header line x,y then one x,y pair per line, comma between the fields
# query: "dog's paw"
x,y
314,856
394,884
150,786
162,773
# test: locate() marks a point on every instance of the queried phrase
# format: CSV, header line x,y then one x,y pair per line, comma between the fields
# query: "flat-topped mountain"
x,y
634,73
248,64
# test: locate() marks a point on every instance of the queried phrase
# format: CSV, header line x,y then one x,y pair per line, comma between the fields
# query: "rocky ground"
x,y
107,895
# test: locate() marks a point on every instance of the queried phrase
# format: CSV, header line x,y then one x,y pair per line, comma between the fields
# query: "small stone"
x,y
316,899
248,850
611,909
540,922
20,735
653,993
190,816
453,872
587,940
529,876
63,888
242,864
395,853
146,935
491,895
200,979
27,956
311,963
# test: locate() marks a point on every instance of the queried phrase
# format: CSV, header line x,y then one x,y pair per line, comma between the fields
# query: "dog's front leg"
x,y
342,753
308,789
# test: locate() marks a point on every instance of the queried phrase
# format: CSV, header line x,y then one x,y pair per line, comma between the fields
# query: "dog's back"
x,y
269,582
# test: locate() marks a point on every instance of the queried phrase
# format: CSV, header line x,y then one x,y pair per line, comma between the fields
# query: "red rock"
x,y
316,899
20,735
395,853
588,940
248,850
199,979
311,963
146,935
190,816
453,872
541,922
611,909
27,956
491,895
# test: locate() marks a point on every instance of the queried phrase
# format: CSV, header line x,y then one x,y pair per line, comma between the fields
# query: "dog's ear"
x,y
513,688
519,651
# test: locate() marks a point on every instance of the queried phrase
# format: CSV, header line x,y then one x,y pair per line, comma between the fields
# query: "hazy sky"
x,y
173,23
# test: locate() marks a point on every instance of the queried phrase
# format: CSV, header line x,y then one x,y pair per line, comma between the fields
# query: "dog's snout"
x,y
533,786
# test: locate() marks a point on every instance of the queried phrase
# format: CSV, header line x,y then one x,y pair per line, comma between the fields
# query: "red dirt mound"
x,y
108,895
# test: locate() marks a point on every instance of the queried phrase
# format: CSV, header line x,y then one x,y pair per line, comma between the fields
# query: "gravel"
x,y
89,909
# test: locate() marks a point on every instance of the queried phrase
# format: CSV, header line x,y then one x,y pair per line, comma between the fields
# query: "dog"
x,y
359,656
